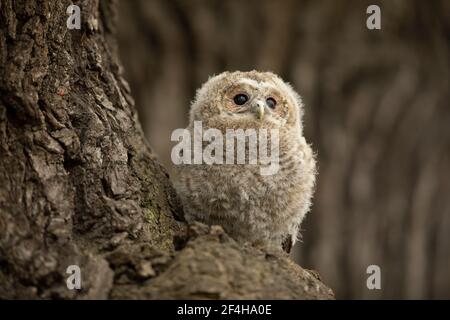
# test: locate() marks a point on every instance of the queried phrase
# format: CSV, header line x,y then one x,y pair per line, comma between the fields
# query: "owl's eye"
x,y
240,99
271,103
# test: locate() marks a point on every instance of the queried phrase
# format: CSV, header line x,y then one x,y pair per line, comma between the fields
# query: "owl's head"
x,y
247,100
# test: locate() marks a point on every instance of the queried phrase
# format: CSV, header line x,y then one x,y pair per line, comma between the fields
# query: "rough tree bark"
x,y
80,186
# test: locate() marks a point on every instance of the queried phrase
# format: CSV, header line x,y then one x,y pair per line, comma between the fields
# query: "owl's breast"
x,y
221,188
243,201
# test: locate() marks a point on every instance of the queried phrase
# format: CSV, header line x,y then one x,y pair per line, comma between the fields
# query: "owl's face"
x,y
247,100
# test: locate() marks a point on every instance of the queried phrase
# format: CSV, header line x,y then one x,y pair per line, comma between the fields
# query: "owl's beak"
x,y
258,108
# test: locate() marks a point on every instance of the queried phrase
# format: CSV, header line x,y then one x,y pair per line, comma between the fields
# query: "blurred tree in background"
x,y
377,113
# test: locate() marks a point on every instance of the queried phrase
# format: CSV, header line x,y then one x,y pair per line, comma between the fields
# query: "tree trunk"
x,y
80,186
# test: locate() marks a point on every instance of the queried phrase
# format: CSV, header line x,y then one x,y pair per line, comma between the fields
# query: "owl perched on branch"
x,y
264,209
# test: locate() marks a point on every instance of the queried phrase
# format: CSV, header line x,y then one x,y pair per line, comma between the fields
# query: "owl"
x,y
261,209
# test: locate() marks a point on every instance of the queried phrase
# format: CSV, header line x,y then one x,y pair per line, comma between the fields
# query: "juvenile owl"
x,y
252,206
